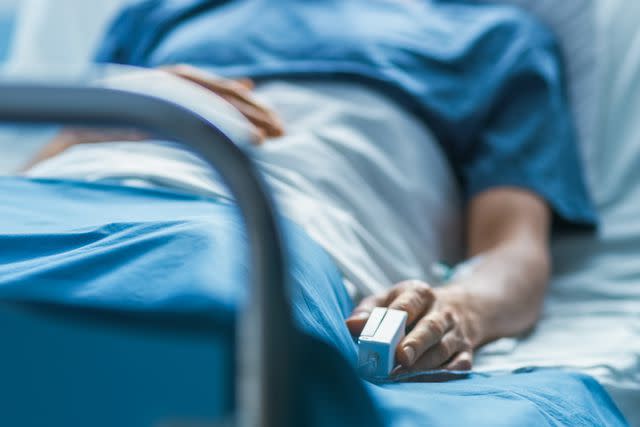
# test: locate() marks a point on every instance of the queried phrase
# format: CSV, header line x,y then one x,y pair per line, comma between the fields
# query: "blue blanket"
x,y
117,308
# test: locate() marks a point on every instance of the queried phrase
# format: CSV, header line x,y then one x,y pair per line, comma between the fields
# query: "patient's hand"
x,y
238,94
439,325
68,137
502,297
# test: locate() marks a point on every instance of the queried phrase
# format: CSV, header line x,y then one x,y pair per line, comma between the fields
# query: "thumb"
x,y
356,322
361,313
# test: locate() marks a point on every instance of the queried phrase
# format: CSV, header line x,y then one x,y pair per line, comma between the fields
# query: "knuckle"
x,y
434,327
394,292
424,292
401,287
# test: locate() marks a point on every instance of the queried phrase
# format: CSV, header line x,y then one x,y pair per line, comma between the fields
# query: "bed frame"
x,y
266,341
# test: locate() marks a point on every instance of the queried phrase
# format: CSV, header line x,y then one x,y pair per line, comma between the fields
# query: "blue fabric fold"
x,y
117,307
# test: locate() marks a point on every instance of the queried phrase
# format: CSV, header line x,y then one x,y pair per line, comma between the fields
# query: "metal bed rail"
x,y
265,332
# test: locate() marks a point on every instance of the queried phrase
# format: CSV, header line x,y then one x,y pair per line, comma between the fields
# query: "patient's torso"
x,y
364,178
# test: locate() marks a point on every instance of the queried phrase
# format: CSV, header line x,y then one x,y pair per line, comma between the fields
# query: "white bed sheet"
x,y
591,319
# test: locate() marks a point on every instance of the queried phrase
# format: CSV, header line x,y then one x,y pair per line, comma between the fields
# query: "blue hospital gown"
x,y
488,80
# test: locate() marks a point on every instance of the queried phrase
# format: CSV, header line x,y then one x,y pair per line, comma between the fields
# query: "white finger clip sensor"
x,y
378,341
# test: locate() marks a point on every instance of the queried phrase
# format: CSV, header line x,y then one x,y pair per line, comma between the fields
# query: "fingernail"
x,y
410,354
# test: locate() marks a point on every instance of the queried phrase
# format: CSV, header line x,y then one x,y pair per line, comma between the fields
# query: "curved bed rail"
x,y
265,327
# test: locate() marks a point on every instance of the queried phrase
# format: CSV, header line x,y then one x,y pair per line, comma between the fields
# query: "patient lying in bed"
x,y
373,177
373,188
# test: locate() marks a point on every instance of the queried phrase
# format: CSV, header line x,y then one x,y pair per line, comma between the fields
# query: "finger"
x,y
89,135
237,93
416,299
440,353
69,137
257,113
428,332
462,361
248,84
369,303
259,117
209,81
196,75
108,136
361,313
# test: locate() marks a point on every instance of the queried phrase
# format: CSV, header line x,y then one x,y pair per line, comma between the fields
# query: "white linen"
x,y
61,32
365,179
591,319
8,5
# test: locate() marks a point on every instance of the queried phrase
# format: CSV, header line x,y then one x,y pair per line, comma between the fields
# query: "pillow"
x,y
617,153
60,32
574,24
7,17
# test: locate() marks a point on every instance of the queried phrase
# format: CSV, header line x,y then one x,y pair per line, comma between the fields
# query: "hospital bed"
x,y
583,262
285,376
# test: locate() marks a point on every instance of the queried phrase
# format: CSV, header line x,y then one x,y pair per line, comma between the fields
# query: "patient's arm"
x,y
512,228
69,137
265,121
502,297
237,93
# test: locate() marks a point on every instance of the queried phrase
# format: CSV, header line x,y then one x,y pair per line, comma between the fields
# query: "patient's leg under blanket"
x,y
117,307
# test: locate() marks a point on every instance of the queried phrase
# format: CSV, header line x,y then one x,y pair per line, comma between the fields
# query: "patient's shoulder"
x,y
525,29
